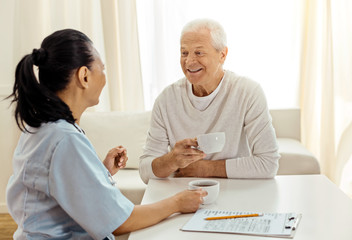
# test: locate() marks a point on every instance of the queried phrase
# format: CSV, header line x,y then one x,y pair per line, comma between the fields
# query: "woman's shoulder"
x,y
39,143
61,127
55,131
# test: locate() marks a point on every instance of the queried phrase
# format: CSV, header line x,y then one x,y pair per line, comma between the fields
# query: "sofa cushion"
x,y
107,130
295,158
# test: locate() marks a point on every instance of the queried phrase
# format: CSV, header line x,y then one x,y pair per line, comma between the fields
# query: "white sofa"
x,y
109,129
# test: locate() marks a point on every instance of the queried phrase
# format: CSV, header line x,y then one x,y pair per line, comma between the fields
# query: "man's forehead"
x,y
195,47
196,39
203,33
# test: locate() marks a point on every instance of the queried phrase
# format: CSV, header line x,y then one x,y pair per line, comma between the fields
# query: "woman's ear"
x,y
82,74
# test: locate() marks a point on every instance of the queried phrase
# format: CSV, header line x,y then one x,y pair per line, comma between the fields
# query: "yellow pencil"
x,y
234,216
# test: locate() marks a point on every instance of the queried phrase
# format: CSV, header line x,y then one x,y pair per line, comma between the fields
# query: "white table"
x,y
326,210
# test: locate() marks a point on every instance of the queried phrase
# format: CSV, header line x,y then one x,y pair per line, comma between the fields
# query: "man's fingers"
x,y
189,158
192,151
187,151
188,142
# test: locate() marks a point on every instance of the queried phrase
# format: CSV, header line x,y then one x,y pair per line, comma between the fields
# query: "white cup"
x,y
211,142
211,186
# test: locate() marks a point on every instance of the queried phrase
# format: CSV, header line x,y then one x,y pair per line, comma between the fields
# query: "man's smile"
x,y
194,70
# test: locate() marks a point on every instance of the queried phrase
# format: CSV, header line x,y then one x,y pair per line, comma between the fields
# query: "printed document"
x,y
268,224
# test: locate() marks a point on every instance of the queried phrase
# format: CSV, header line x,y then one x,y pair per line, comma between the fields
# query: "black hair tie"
x,y
39,56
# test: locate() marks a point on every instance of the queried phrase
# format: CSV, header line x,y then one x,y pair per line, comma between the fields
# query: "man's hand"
x,y
183,154
203,168
116,159
196,169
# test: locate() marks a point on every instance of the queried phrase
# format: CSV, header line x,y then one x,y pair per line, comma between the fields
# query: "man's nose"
x,y
190,59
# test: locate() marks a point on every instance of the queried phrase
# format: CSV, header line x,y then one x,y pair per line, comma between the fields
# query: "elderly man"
x,y
209,99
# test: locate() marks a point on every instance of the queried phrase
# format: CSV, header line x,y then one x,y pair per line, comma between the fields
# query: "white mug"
x,y
211,142
211,186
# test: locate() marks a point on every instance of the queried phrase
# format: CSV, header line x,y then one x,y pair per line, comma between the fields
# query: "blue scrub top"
x,y
61,189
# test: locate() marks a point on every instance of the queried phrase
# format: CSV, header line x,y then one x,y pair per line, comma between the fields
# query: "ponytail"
x,y
36,99
35,103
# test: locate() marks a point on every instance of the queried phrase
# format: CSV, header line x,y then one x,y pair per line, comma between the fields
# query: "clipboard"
x,y
280,225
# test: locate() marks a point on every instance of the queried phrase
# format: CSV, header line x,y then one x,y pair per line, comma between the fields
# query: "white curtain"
x,y
326,86
122,54
111,24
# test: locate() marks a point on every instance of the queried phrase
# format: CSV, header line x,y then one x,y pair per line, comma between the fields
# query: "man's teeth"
x,y
193,71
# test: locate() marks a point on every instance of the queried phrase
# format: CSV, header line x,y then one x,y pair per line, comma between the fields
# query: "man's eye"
x,y
199,53
184,54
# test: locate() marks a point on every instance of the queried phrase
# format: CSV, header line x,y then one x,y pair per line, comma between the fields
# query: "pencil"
x,y
234,216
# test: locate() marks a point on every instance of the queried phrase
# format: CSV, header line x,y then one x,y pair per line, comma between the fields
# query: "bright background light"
x,y
262,36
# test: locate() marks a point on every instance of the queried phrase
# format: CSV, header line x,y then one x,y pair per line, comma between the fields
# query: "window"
x,y
262,36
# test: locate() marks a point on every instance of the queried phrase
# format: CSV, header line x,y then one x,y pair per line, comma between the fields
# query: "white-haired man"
x,y
209,99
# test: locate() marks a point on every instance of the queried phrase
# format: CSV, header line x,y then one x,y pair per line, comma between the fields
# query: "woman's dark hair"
x,y
36,99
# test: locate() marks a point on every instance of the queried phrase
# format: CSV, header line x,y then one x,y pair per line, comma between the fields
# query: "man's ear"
x,y
223,55
82,74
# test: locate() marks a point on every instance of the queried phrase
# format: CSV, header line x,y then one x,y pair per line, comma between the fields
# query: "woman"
x,y
60,188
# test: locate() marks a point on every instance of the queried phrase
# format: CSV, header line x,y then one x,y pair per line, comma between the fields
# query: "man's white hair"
x,y
217,32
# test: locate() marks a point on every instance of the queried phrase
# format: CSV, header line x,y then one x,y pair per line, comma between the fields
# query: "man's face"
x,y
200,61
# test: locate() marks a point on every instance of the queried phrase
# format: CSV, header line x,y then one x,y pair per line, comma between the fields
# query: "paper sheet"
x,y
270,224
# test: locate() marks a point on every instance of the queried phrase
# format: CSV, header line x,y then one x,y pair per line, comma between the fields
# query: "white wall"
x,y
8,130
8,141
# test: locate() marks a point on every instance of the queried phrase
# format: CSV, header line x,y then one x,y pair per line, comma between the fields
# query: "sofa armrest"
x,y
287,123
110,129
295,158
130,184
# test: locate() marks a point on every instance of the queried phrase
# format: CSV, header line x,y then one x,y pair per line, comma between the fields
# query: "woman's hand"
x,y
189,200
116,159
147,215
